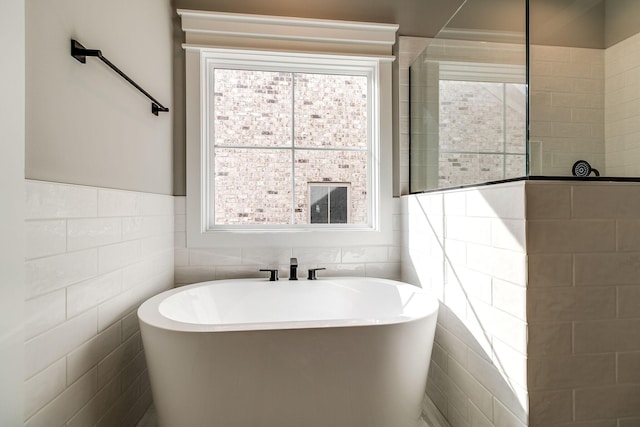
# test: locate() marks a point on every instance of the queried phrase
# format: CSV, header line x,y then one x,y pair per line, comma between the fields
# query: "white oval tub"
x,y
336,352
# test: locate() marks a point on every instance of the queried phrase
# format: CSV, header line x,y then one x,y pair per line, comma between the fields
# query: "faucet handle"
x,y
274,273
312,273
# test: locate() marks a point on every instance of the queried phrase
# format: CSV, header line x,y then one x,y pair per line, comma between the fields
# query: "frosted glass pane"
x,y
330,110
252,186
252,108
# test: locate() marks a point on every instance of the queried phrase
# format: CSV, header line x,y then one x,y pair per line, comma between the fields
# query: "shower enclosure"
x,y
538,89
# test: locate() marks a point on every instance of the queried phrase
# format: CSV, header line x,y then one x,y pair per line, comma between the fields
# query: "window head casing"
x,y
266,126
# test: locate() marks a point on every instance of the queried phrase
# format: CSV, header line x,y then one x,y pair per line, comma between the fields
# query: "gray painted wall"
x,y
11,211
421,18
85,124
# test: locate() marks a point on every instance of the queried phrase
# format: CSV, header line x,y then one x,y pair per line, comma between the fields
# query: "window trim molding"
x,y
380,233
218,29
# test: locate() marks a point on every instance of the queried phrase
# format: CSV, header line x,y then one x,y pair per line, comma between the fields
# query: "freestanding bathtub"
x,y
336,352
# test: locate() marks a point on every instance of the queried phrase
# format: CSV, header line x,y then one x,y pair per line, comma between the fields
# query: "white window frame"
x,y
379,229
294,63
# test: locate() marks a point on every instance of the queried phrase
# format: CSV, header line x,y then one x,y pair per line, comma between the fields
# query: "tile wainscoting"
x,y
583,302
92,256
539,284
468,247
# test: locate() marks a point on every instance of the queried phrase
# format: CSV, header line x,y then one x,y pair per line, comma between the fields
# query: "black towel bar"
x,y
80,53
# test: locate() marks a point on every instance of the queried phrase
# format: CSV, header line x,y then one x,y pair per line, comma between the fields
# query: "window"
x,y
274,131
281,112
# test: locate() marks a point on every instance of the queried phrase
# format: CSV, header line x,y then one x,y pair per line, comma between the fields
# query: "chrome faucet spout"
x,y
293,269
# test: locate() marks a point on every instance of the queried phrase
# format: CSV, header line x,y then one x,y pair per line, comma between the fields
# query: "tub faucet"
x,y
293,269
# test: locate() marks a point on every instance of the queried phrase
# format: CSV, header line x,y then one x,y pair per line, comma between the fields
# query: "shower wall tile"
x,y
612,268
628,236
622,93
628,301
548,407
616,401
629,368
583,301
571,303
550,270
619,201
554,342
571,235
567,119
628,422
548,338
93,256
609,335
567,371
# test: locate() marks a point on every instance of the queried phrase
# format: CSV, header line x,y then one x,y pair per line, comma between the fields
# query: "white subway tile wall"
x,y
622,93
468,247
197,265
93,255
538,283
567,109
584,304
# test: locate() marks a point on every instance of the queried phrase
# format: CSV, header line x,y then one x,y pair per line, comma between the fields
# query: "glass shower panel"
x,y
468,100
